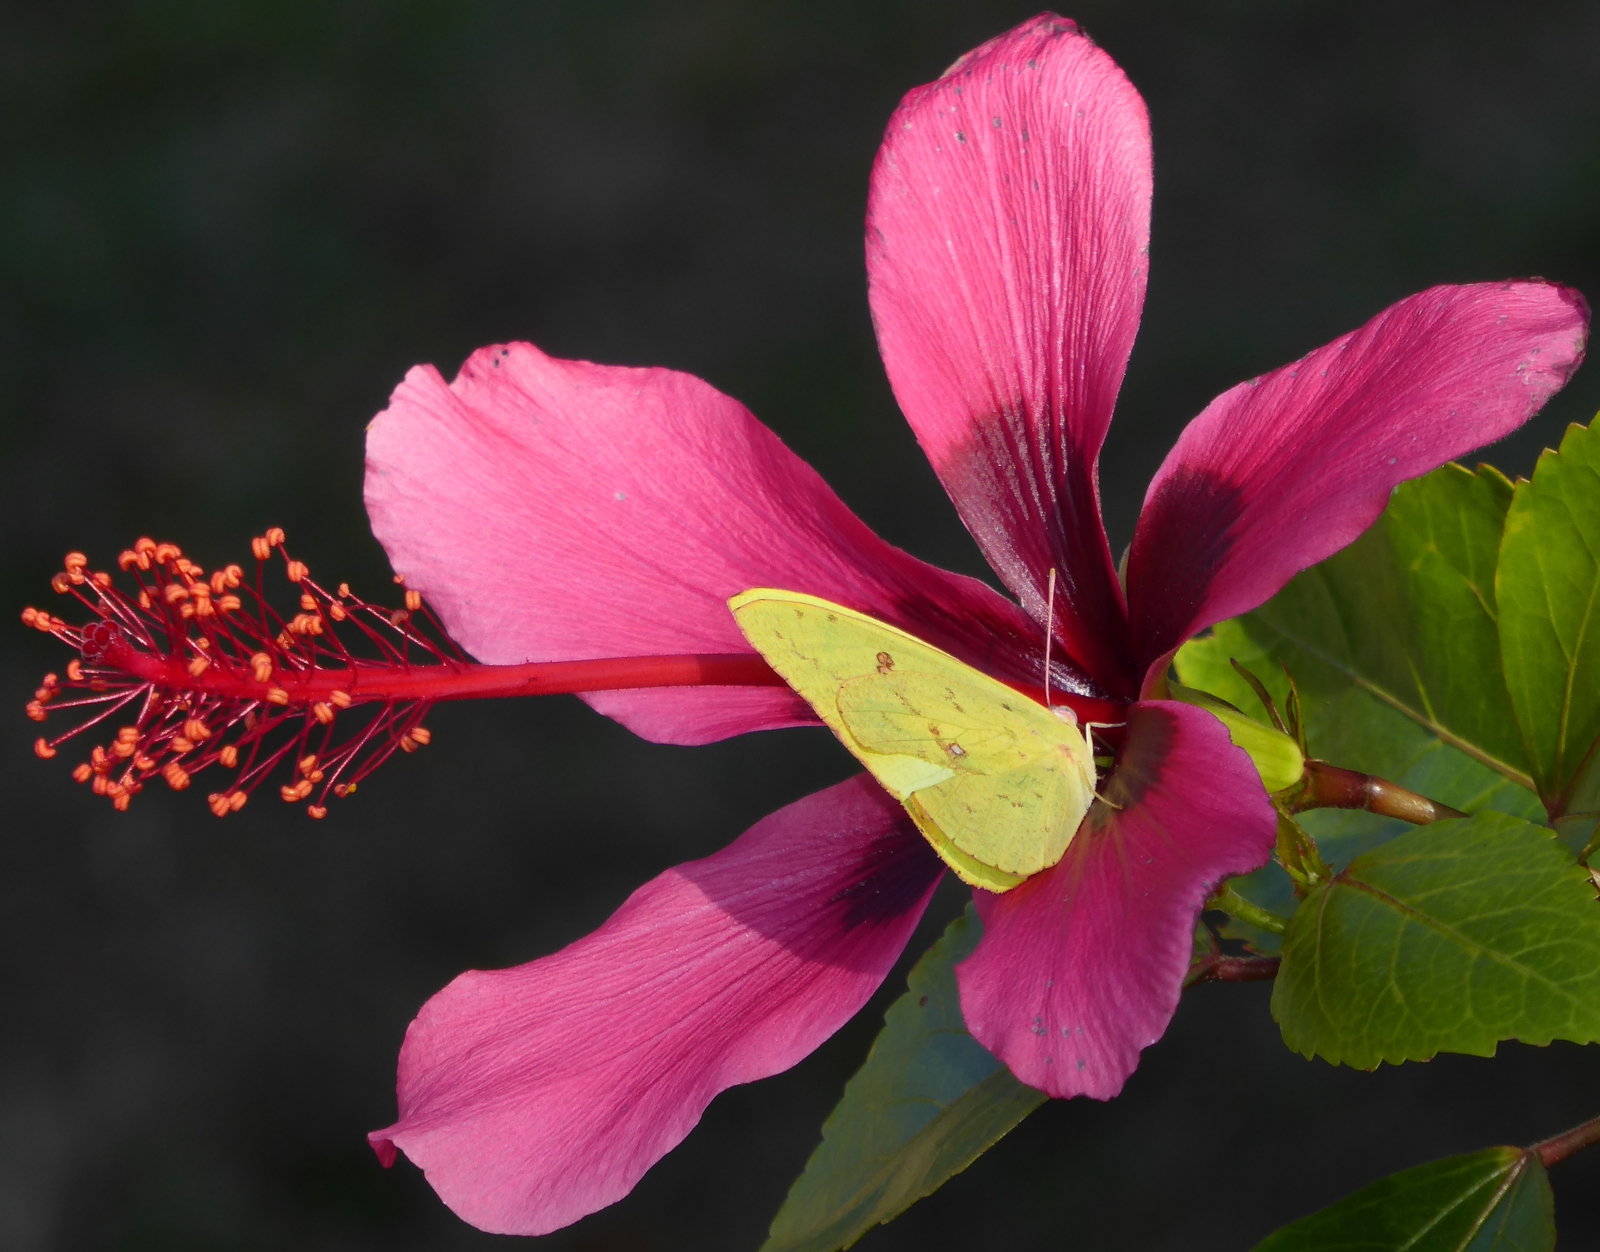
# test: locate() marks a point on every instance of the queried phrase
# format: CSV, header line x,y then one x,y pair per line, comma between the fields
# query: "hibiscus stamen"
x,y
202,673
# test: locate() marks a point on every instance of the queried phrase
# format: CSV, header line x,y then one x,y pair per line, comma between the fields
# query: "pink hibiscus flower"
x,y
559,510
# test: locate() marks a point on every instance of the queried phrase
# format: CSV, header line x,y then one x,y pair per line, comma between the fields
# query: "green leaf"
x,y
1374,637
1277,757
1406,615
1549,583
1450,937
929,1101
1497,1200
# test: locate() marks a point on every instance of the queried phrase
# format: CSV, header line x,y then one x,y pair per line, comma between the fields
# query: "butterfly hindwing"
x,y
996,782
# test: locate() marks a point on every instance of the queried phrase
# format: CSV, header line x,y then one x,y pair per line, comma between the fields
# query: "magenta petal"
x,y
532,1096
1288,468
1080,968
557,510
1007,233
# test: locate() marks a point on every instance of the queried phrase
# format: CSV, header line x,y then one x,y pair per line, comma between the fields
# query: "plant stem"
x,y
1234,904
1560,1147
1329,787
1218,968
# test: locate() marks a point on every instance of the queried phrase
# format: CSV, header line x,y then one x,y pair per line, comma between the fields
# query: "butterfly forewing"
x,y
991,778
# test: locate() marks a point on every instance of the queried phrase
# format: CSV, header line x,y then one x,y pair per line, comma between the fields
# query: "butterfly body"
x,y
996,782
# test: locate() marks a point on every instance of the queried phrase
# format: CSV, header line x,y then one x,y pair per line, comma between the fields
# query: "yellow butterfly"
x,y
996,782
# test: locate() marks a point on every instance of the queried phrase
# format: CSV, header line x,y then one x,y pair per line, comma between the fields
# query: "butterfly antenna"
x,y
1049,630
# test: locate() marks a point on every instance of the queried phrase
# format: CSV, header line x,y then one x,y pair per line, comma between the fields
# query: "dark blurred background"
x,y
226,230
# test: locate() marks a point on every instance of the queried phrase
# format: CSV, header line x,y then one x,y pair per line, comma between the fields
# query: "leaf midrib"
x,y
1443,733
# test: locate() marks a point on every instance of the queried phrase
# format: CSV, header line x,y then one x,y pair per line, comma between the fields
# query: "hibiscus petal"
x,y
1007,235
1284,470
557,510
1080,968
532,1096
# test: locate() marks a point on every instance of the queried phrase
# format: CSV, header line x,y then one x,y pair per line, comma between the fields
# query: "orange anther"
x,y
399,580
232,576
199,666
177,777
339,699
344,789
144,546
44,694
229,756
102,579
219,803
51,681
308,602
285,641
75,671
277,695
82,774
261,667
344,591
408,744
181,745
321,711
123,749
188,568
127,558
293,794
76,561
144,601
60,584
297,571
307,764
237,799
98,758
195,729
399,617
421,734
336,611
260,548
30,615
120,801
219,583
275,536
42,748
176,592
101,782
128,734
186,610
47,623
167,552
201,607
115,790
318,811
36,712
144,762
413,600
229,604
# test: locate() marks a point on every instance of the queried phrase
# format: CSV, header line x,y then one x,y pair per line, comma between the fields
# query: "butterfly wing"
x,y
1022,779
992,779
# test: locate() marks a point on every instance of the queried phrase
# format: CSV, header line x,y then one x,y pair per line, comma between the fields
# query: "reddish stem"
x,y
1218,968
1329,787
1560,1147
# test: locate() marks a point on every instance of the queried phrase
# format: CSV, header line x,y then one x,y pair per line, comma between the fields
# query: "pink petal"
x,y
557,510
1080,968
1007,235
1288,468
535,1095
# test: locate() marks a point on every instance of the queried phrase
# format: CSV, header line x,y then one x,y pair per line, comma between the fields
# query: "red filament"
x,y
200,674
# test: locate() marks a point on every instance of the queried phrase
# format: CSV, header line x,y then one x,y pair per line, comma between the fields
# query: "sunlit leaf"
x,y
1497,1200
929,1101
1549,584
1450,937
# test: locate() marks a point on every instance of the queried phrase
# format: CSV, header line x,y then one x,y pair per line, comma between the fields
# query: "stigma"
x,y
187,678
